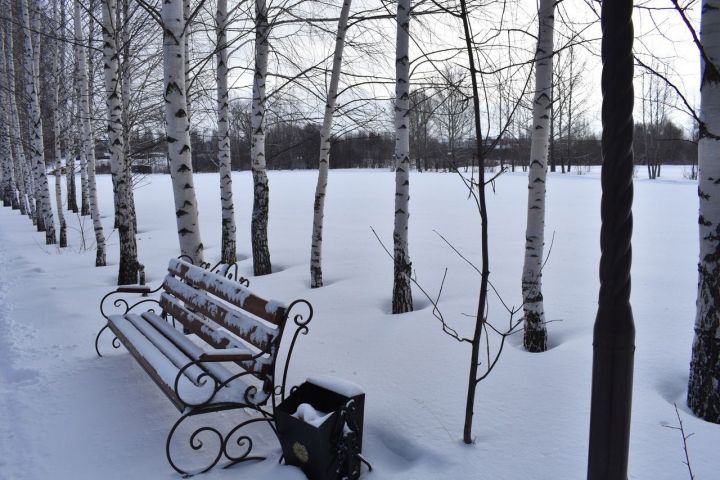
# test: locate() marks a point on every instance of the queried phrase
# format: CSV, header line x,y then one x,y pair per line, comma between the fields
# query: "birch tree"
x,y
178,130
90,67
316,279
535,337
261,188
228,249
7,188
71,191
129,265
402,292
56,119
22,170
123,17
704,383
37,148
87,141
186,47
8,176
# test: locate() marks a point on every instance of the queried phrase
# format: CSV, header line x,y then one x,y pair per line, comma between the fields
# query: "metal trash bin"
x,y
326,447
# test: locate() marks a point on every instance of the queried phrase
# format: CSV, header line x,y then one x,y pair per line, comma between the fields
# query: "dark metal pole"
x,y
614,335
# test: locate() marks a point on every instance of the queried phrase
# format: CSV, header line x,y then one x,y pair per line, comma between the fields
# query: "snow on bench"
x,y
212,345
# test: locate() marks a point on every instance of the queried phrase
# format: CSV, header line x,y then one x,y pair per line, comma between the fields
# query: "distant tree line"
x,y
292,146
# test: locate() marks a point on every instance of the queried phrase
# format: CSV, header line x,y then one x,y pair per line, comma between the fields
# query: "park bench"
x,y
209,344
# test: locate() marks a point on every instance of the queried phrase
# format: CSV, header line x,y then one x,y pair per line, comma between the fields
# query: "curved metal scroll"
x,y
114,342
301,327
225,442
121,306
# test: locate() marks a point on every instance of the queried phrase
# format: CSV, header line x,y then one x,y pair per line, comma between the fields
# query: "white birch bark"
x,y
186,46
7,189
27,200
228,248
87,144
65,116
129,266
70,168
535,336
402,291
704,383
35,21
261,187
37,147
70,179
84,184
8,175
90,67
37,183
125,90
82,155
56,120
177,129
316,279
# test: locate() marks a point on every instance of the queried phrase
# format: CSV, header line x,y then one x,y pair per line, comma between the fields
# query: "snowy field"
x,y
66,414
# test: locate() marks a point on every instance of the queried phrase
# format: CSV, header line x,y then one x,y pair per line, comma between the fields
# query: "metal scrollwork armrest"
x,y
301,327
202,380
120,306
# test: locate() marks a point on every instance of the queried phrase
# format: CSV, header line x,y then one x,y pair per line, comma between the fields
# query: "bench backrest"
x,y
224,313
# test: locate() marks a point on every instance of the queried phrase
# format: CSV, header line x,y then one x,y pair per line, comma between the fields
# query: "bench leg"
x,y
233,438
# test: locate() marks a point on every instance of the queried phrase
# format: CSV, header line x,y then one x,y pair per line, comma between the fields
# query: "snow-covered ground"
x,y
66,414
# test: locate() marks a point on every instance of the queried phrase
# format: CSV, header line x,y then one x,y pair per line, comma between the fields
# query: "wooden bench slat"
x,y
186,345
168,348
217,338
228,290
244,326
199,325
157,366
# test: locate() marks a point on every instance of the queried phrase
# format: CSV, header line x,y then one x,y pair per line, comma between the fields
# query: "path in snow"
x,y
15,380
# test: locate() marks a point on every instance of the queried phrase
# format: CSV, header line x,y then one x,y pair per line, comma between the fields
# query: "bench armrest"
x,y
226,355
134,289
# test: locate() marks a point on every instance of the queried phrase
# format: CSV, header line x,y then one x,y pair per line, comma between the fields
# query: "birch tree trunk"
x,y
87,144
177,129
7,189
125,90
37,146
186,46
56,116
90,67
261,197
402,292
535,336
39,209
228,249
8,183
129,266
70,178
704,383
8,175
84,187
65,114
316,279
21,170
